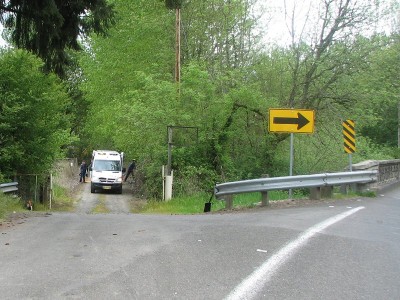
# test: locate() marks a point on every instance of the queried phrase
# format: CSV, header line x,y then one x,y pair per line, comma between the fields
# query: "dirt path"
x,y
103,202
86,202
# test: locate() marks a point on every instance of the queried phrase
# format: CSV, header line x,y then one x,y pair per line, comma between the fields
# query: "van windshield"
x,y
107,165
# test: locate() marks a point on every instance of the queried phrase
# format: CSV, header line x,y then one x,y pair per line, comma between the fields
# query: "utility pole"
x,y
178,47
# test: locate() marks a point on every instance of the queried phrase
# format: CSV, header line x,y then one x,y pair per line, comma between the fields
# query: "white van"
x,y
106,170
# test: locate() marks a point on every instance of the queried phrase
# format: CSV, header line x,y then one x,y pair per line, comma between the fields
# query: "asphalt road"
x,y
344,250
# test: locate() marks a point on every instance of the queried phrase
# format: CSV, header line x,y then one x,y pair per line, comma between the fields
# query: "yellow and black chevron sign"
x,y
349,136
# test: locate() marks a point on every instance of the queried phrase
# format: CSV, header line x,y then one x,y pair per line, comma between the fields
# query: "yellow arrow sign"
x,y
291,120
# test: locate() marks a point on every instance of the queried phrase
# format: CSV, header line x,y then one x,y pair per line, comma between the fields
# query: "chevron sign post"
x,y
349,139
349,136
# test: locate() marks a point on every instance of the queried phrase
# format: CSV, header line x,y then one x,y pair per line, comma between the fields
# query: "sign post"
x,y
349,139
291,121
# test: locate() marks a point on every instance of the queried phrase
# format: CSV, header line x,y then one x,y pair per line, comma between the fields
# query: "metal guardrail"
x,y
264,185
9,187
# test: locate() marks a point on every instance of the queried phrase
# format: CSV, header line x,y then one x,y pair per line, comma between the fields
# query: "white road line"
x,y
260,250
251,286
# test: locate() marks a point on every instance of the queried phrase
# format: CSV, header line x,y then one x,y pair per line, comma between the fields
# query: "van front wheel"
x,y
92,189
119,190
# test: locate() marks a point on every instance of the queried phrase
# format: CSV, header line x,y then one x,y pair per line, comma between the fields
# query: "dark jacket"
x,y
131,167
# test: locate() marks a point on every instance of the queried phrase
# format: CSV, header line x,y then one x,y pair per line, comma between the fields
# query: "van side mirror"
x,y
123,170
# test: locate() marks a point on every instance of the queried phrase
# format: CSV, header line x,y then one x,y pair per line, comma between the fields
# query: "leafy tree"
x,y
138,44
317,67
33,123
378,87
220,33
113,76
221,37
79,106
49,27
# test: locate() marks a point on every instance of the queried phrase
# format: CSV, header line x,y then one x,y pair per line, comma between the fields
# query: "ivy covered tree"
x,y
48,28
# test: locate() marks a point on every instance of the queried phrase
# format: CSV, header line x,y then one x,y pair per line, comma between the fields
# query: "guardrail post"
x,y
364,187
315,193
319,192
344,189
228,201
327,191
264,198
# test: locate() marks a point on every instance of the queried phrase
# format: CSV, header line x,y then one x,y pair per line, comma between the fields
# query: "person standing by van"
x,y
83,170
130,170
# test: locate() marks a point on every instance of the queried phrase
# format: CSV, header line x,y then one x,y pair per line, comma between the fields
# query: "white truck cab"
x,y
106,170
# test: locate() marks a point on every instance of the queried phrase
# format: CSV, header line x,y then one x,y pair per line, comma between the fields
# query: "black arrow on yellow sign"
x,y
300,121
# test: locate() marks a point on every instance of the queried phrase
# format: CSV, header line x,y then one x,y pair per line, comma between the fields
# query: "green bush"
x,y
193,180
9,204
62,201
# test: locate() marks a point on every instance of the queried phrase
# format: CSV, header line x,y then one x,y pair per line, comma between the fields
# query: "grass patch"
x,y
369,194
37,206
180,205
9,204
253,199
352,193
195,204
63,200
101,207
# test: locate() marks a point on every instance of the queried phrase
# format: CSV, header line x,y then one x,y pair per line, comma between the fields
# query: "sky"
x,y
276,22
278,16
2,42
